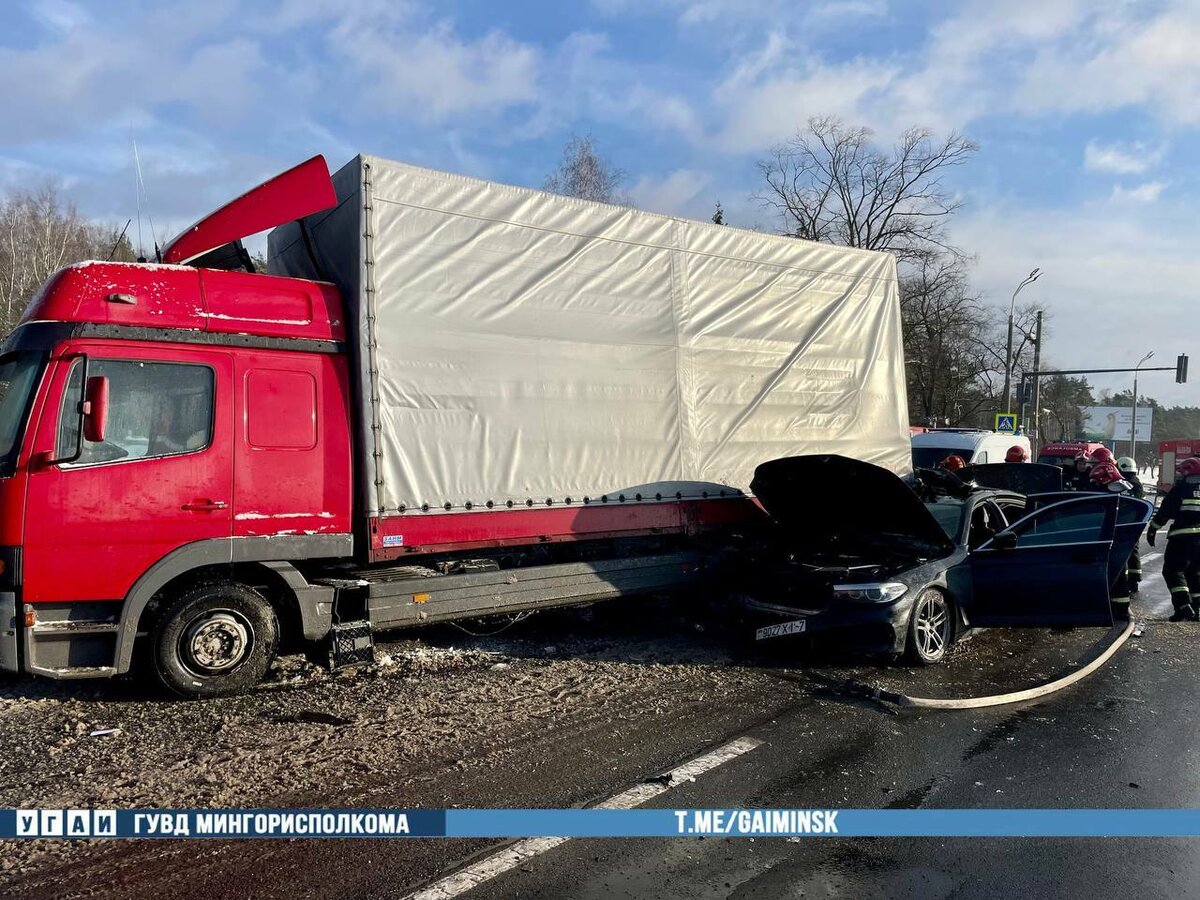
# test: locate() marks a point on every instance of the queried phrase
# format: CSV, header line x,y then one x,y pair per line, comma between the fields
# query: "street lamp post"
x,y
1008,353
1133,423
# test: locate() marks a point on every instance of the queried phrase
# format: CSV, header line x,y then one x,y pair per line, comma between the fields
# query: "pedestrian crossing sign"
x,y
1006,423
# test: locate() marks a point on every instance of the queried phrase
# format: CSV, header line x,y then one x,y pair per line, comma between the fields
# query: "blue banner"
x,y
518,823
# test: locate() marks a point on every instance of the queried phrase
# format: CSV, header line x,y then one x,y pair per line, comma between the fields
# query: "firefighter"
x,y
1181,562
1128,469
1016,454
1106,478
1080,480
953,462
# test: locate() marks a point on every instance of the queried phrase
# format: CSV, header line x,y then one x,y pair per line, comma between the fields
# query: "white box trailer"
x,y
522,352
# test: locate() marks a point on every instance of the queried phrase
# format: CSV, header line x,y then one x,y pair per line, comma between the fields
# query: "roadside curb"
x,y
1115,638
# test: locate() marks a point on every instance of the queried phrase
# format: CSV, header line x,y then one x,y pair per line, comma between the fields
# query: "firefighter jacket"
x,y
1181,507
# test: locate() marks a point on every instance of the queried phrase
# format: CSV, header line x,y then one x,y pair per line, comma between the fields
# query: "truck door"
x,y
162,476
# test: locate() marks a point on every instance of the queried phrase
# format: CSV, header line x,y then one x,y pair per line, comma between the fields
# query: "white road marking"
x,y
509,858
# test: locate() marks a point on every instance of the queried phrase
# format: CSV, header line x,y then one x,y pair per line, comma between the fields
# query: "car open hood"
x,y
827,502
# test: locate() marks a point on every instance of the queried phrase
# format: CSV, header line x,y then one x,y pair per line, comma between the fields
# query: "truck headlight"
x,y
870,593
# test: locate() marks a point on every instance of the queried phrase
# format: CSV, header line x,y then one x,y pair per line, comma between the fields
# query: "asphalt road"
x,y
1124,737
1127,737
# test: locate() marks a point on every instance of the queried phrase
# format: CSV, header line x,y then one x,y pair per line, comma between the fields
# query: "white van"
x,y
975,446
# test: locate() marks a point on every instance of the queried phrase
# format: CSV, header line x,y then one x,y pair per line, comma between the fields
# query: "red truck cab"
x,y
156,421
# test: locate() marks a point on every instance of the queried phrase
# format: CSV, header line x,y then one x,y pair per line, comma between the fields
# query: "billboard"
x,y
1113,423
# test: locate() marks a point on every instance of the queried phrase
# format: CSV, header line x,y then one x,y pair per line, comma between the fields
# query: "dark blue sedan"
x,y
856,555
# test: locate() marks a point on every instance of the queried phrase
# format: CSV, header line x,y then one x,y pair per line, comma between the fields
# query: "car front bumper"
x,y
865,627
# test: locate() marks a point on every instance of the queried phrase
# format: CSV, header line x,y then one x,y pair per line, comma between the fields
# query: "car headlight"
x,y
870,593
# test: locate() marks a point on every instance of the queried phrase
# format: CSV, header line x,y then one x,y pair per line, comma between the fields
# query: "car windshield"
x,y
948,515
18,375
929,457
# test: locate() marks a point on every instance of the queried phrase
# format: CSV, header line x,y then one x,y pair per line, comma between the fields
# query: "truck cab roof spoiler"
x,y
300,191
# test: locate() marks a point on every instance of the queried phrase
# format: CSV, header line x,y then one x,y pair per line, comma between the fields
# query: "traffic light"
x,y
1181,369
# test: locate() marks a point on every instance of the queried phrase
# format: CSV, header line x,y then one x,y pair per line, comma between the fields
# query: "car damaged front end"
x,y
851,551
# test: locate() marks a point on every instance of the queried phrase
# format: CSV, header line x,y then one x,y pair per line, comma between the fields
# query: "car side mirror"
x,y
1005,540
95,409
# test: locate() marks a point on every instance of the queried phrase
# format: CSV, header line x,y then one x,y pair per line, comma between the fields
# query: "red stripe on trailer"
x,y
411,533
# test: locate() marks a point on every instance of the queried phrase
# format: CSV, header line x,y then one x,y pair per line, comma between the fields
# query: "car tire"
x,y
930,628
213,640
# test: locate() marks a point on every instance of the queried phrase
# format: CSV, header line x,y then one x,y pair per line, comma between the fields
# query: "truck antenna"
x,y
142,193
137,192
117,242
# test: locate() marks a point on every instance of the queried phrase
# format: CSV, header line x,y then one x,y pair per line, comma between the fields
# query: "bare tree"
x,y
584,173
946,341
832,183
39,234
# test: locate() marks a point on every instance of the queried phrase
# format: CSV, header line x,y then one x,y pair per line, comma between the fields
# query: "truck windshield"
x,y
18,376
1062,461
929,457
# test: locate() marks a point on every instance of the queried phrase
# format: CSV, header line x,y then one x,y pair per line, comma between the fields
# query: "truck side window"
x,y
154,409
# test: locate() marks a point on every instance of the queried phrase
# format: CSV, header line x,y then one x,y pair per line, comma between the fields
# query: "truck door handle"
x,y
204,505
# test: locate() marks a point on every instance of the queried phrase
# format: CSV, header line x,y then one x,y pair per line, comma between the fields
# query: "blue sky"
x,y
1087,115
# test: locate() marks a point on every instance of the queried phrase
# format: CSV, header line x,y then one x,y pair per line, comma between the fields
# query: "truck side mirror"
x,y
95,409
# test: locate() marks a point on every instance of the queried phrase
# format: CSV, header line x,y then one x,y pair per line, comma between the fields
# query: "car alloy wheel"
x,y
931,628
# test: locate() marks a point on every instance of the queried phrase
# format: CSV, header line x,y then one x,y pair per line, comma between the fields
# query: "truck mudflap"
x,y
9,632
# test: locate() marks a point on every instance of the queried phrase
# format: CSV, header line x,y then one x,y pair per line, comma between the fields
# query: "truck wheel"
x,y
930,628
216,639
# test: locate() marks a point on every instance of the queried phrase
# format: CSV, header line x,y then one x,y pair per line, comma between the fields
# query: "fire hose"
x,y
1116,639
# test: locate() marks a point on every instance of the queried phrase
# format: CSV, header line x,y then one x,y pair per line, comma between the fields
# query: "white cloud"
x,y
60,15
673,194
1122,159
1120,60
442,74
1102,275
1148,192
760,110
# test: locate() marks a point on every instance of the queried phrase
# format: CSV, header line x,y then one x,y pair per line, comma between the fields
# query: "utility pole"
x,y
1008,351
1133,423
1037,387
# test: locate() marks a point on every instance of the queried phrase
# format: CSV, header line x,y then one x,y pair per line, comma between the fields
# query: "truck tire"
x,y
214,640
930,628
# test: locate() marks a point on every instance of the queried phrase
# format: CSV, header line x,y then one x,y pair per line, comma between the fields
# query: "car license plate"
x,y
779,630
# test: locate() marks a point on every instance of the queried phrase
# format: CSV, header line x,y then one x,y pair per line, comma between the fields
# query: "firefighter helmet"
x,y
1127,466
1082,457
1016,453
1102,455
1105,473
1189,466
954,462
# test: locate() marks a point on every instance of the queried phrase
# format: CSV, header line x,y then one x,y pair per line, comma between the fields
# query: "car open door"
x,y
1049,568
1132,516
